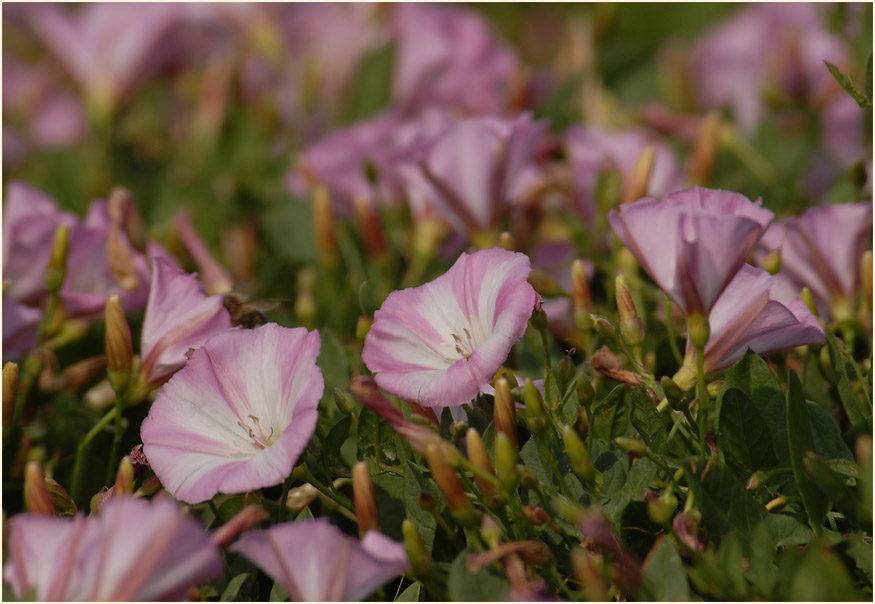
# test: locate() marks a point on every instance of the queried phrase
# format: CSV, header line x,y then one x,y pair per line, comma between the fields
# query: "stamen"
x,y
260,440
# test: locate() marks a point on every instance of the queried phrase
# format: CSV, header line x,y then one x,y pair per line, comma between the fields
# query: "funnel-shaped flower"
x,y
179,316
693,243
439,343
822,250
238,415
316,562
746,316
134,550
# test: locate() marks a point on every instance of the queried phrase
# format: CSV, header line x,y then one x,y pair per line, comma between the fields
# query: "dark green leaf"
x,y
648,421
787,531
744,436
628,486
846,82
234,585
488,585
856,410
333,363
831,485
611,416
414,484
665,574
816,575
411,594
801,440
278,593
763,572
336,437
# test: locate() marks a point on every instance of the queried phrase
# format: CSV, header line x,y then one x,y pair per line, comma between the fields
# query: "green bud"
x,y
61,500
772,262
490,531
565,373
603,326
674,394
458,429
299,472
362,326
585,392
539,320
808,298
420,561
756,480
37,498
661,509
344,401
56,270
631,327
506,456
632,446
504,411
698,329
527,477
535,415
581,462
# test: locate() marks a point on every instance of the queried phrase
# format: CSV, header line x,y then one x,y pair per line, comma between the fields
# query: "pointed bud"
x,y
10,392
449,484
674,394
124,478
362,326
365,499
585,392
539,318
150,486
344,402
608,189
536,418
36,495
248,518
420,562
457,430
479,457
506,241
776,502
589,569
323,217
632,447
121,259
808,298
580,295
581,462
661,509
527,478
565,373
119,352
631,327
490,531
639,181
302,496
123,211
506,455
756,480
772,262
370,227
305,308
713,388
705,150
866,276
603,326
698,329
505,411
61,500
56,270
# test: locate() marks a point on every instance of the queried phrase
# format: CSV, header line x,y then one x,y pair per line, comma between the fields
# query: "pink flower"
x,y
238,415
438,344
179,316
316,562
134,550
20,324
692,243
822,250
746,316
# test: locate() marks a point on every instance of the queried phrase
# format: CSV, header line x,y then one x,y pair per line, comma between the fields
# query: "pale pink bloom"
x,y
316,562
438,344
179,317
238,415
746,316
20,325
693,242
447,56
134,550
822,250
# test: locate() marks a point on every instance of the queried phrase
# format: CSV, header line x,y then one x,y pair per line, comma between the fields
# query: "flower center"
x,y
465,347
257,433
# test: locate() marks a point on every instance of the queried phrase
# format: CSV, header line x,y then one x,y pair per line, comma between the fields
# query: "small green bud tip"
x,y
808,298
56,270
603,326
565,372
585,392
772,262
504,413
124,478
344,401
714,388
362,326
420,561
661,509
10,392
581,462
632,446
756,480
506,456
535,415
539,319
527,477
698,329
458,429
631,327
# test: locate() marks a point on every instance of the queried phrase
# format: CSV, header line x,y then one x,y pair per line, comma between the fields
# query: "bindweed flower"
x,y
692,243
134,550
20,328
238,415
822,250
179,316
440,343
747,317
332,567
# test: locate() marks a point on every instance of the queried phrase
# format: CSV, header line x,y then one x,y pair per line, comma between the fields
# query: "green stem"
x,y
117,437
341,501
83,447
669,328
703,401
281,513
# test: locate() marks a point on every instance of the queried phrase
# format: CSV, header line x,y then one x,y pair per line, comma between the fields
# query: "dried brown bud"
x,y
36,495
449,484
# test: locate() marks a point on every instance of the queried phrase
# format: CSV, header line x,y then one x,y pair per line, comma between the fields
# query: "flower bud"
x,y
370,227
56,270
539,318
124,478
676,397
603,326
631,327
705,149
119,352
302,496
505,411
506,455
776,502
150,486
639,181
449,484
632,446
581,462
490,531
216,279
580,296
458,429
866,276
756,480
362,326
121,260
544,284
323,217
608,188
36,495
584,390
565,373
344,401
686,527
479,457
772,262
507,241
248,518
420,562
536,418
714,387
660,509
365,499
527,478
10,392
427,501
305,308
808,298
61,500
698,329
535,515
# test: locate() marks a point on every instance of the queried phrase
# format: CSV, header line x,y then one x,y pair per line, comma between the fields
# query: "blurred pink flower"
x,y
20,325
693,242
238,415
821,250
746,316
179,316
447,56
592,150
438,344
316,562
134,550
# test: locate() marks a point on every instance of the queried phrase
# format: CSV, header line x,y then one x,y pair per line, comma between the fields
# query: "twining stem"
x,y
83,447
702,392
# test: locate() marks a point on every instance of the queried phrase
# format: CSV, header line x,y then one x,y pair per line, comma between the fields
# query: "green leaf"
x,y
628,486
665,574
371,87
389,489
648,421
787,531
856,410
411,594
801,440
731,561
414,484
846,82
725,504
744,436
336,436
611,416
763,572
816,575
831,485
234,585
278,593
334,365
827,436
488,585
